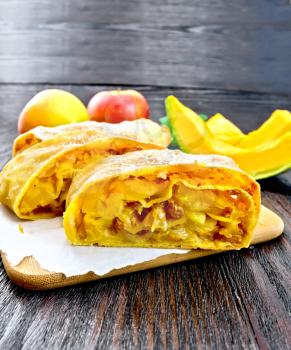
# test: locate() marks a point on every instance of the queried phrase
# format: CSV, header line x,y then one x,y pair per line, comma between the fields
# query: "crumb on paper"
x,y
21,229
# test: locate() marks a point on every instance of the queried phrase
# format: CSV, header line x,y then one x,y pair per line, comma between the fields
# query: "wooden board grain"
x,y
28,273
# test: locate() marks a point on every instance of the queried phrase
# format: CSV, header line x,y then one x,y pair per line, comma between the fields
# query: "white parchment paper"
x,y
45,240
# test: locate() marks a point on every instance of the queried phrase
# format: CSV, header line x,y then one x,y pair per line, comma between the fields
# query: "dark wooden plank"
x,y
244,45
239,300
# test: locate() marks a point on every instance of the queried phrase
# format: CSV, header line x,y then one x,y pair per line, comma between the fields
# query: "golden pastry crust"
x,y
143,130
34,183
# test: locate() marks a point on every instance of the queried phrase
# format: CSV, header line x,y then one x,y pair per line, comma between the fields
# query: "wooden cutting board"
x,y
28,274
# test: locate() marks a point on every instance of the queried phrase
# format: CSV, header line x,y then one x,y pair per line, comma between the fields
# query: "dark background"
x,y
232,57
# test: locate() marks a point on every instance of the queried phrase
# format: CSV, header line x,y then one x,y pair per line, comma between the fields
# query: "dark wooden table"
x,y
231,57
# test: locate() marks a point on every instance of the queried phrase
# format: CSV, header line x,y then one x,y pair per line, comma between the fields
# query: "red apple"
x,y
117,106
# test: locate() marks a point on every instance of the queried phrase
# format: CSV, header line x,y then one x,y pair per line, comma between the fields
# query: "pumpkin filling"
x,y
146,211
47,193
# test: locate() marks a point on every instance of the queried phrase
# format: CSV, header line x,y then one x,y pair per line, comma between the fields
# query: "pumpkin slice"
x,y
194,136
224,129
